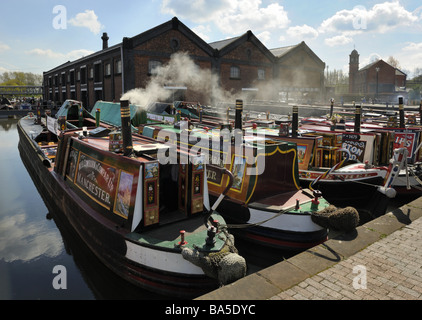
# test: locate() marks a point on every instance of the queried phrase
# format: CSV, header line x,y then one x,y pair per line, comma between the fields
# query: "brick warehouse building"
x,y
243,64
378,80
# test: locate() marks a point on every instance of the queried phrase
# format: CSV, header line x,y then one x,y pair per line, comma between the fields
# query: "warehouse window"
x,y
118,66
108,69
97,72
234,72
83,75
261,74
152,67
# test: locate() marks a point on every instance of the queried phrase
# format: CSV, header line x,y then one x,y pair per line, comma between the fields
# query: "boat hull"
x,y
111,244
285,231
355,193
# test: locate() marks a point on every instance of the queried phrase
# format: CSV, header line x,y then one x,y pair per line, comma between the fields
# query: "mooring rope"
x,y
247,225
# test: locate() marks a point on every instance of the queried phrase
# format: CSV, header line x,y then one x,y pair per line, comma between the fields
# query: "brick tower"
x,y
353,70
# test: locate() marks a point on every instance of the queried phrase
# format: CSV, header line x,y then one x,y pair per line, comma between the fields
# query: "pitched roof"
x,y
284,52
279,52
227,45
368,66
222,43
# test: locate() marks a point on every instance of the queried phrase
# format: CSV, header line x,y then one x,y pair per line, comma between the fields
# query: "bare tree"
x,y
393,62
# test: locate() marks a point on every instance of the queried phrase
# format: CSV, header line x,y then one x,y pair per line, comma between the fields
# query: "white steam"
x,y
180,71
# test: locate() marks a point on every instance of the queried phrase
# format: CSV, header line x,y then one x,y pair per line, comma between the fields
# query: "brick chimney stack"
x,y
105,40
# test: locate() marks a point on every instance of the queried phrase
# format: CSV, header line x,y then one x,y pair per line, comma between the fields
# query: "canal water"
x,y
32,245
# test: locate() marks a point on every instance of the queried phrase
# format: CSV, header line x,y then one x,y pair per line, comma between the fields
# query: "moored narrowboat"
x,y
151,223
265,204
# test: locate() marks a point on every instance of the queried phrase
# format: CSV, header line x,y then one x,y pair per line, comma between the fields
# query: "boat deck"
x,y
169,235
282,201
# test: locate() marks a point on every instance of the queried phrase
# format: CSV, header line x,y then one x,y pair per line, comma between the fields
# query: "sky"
x,y
38,35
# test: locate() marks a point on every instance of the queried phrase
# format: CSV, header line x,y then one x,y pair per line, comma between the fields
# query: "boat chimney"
x,y
401,112
97,117
357,117
238,117
126,128
420,111
295,121
105,40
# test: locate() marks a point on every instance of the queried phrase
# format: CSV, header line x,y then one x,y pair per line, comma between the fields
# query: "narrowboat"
x,y
350,167
265,204
149,222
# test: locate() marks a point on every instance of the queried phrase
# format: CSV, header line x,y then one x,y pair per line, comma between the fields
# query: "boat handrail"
x,y
221,197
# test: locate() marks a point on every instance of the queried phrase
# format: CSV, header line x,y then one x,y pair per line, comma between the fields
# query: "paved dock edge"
x,y
271,281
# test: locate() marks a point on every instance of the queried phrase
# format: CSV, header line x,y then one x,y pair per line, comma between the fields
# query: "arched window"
x,y
234,72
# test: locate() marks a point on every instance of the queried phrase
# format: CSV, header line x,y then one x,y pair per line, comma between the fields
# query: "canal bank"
x,y
379,260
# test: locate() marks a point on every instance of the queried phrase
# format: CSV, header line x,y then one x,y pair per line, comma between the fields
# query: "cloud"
x,y
48,53
338,41
381,18
232,17
264,36
202,31
4,47
301,32
87,19
410,56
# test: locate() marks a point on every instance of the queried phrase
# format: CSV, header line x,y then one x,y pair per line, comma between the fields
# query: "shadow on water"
x,y
104,284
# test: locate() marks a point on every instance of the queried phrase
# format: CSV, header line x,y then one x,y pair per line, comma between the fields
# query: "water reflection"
x,y
25,241
33,240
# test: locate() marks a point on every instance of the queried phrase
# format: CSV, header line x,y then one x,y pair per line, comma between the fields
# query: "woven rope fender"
x,y
344,219
226,266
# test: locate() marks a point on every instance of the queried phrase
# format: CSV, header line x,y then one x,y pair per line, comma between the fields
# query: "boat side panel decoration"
x,y
151,194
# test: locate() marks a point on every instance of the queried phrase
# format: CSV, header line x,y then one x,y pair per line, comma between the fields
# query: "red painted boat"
x,y
137,215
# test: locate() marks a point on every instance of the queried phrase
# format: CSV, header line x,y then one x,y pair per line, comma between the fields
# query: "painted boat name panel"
x,y
96,179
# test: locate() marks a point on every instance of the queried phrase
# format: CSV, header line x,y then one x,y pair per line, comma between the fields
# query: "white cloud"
x,y
202,31
48,53
381,18
233,17
410,56
4,47
264,36
338,41
87,19
301,32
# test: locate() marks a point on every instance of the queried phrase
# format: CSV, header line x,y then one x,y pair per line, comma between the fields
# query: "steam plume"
x,y
181,70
